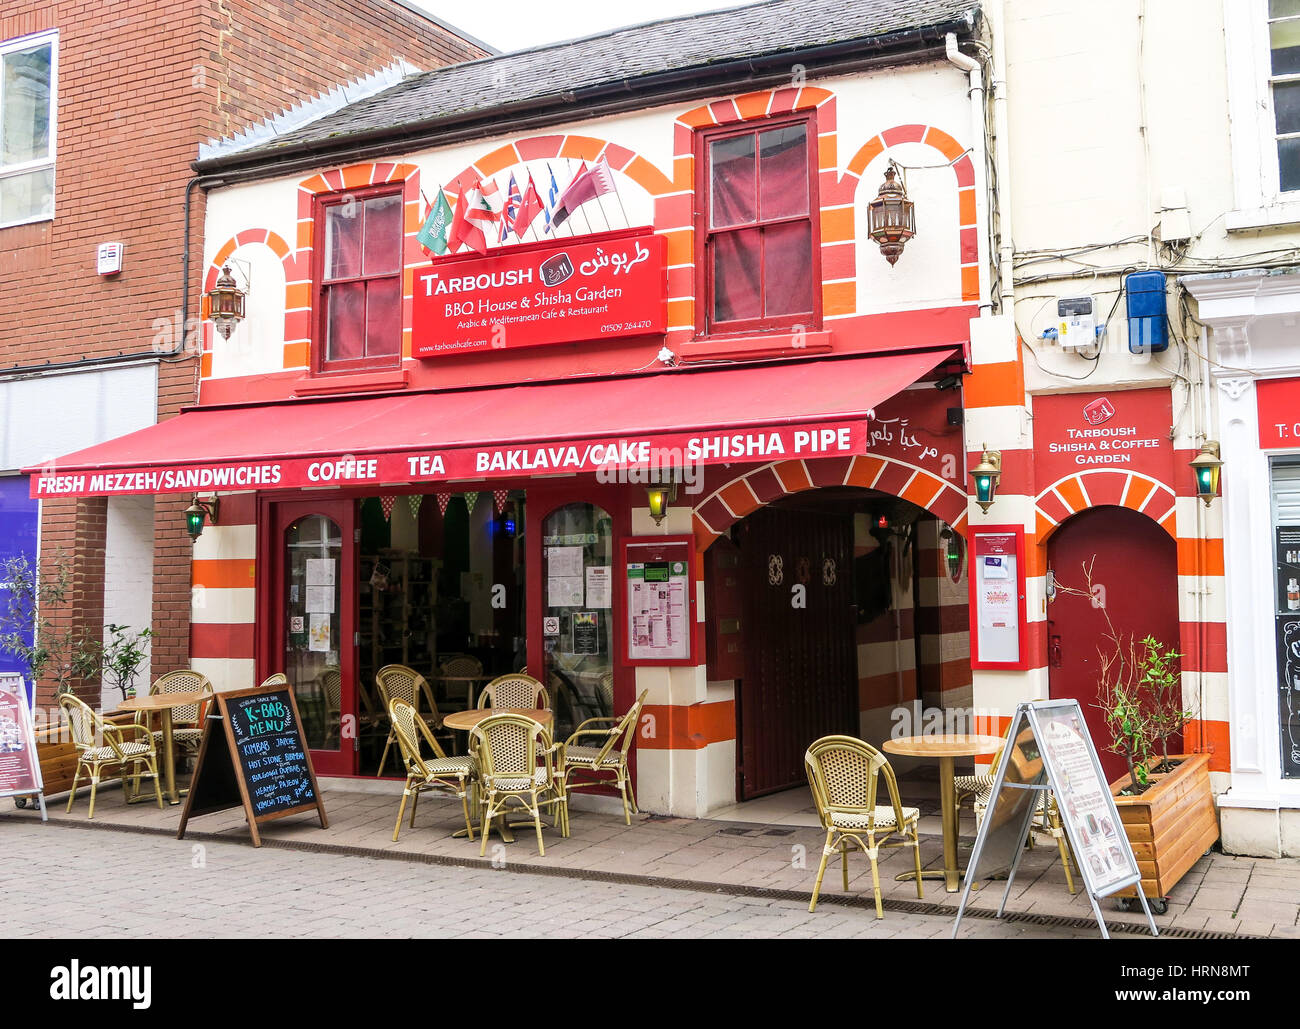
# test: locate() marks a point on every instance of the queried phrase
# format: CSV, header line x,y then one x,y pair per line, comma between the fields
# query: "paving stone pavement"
x,y
1221,894
164,887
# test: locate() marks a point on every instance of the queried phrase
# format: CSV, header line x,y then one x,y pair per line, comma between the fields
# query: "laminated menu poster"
x,y
1084,800
657,610
20,771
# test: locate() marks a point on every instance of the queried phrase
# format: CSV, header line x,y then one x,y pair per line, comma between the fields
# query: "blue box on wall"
x,y
1148,327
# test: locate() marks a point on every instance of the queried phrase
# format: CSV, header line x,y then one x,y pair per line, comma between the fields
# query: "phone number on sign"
x,y
626,326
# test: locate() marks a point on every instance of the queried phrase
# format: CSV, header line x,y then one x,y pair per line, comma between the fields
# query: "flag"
x,y
474,214
530,206
443,500
387,504
433,233
470,500
511,210
413,502
500,498
588,184
552,195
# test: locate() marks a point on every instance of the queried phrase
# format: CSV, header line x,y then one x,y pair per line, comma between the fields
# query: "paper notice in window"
x,y
564,562
320,600
564,591
599,586
318,635
320,572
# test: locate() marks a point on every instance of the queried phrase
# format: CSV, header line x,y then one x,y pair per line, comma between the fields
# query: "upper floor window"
x,y
359,280
757,232
27,114
1284,85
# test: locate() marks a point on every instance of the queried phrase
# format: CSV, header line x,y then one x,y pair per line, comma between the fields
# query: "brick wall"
x,y
268,55
140,84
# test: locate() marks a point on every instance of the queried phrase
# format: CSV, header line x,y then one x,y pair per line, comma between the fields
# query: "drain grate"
x,y
864,901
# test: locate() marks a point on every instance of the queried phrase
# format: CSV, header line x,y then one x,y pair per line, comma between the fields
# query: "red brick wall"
x,y
272,54
140,84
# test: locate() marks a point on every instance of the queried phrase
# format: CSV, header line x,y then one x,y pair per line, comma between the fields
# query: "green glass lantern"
x,y
985,476
197,513
1206,466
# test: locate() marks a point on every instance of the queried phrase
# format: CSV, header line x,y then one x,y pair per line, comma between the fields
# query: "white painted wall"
x,y
53,414
128,577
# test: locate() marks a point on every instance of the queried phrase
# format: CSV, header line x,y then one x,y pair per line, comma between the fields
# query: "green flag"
x,y
433,233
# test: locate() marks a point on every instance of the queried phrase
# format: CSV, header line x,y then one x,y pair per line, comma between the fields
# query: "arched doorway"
x,y
1134,576
837,612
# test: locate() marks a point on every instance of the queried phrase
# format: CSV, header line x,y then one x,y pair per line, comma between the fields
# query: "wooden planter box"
x,y
1171,825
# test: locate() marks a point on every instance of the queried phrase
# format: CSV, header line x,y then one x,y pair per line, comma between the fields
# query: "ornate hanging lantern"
x,y
891,217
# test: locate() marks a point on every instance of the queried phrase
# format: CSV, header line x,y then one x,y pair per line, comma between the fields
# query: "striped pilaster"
x,y
223,602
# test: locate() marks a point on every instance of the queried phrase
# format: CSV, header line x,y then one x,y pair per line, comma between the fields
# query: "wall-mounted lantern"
x,y
985,476
226,303
197,512
1206,466
659,497
891,217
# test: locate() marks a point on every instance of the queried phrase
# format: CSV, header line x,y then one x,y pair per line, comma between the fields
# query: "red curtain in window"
x,y
760,270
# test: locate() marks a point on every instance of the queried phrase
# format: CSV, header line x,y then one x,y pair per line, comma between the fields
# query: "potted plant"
x,y
123,654
1165,803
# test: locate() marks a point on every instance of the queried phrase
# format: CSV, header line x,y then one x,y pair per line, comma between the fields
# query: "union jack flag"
x,y
513,199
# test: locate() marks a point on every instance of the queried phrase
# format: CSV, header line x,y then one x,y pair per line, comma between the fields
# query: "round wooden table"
x,y
466,720
946,748
164,703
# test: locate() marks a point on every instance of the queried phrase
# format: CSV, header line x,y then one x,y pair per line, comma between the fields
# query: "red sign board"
x,y
19,768
593,287
1120,430
1279,413
505,460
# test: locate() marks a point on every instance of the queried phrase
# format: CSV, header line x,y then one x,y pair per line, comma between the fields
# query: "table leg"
x,y
948,800
169,759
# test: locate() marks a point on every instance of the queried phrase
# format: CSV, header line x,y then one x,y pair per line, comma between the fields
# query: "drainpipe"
x,y
1006,248
978,159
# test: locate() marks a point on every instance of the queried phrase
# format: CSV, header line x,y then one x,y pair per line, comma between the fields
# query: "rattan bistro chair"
x,y
397,682
843,773
187,721
517,764
514,690
460,666
451,775
274,679
599,764
117,752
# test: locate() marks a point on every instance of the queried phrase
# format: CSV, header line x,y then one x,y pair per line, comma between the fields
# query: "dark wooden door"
x,y
800,669
1134,579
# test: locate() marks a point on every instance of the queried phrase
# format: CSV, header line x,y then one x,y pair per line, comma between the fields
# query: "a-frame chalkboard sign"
x,y
1048,748
254,755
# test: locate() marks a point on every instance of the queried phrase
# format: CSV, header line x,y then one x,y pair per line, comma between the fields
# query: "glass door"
x,y
577,609
314,605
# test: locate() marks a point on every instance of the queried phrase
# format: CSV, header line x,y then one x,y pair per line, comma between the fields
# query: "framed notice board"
x,y
659,586
997,597
254,755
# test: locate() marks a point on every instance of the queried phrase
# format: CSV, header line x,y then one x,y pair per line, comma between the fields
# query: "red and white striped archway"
x,y
733,500
1082,490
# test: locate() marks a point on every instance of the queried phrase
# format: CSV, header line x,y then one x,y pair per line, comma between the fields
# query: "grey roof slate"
x,y
557,75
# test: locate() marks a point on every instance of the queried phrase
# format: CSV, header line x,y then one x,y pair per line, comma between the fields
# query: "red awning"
x,y
800,410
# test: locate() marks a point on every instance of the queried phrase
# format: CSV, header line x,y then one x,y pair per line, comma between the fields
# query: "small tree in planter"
x,y
28,608
123,655
1163,686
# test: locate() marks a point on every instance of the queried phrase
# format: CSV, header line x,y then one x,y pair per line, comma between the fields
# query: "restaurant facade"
x,y
701,436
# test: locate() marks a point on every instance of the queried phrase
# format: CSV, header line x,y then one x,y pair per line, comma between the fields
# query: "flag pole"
x,y
627,222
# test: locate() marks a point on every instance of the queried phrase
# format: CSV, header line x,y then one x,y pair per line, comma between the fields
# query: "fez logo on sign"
x,y
1099,411
556,269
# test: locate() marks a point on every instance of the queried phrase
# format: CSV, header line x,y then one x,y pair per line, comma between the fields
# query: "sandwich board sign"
x,y
20,769
254,755
1049,749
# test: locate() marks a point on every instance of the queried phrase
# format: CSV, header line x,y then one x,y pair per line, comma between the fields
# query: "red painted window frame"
x,y
704,326
320,308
